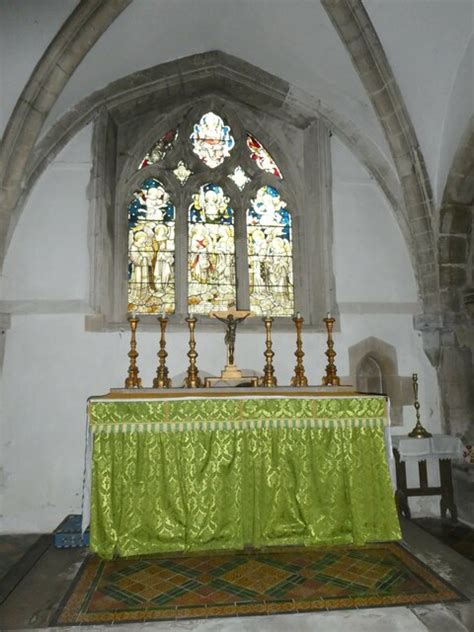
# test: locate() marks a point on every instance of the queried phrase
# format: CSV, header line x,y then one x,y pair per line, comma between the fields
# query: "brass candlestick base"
x,y
268,378
133,381
331,378
192,379
418,431
299,378
162,380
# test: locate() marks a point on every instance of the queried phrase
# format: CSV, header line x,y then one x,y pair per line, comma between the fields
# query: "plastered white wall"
x,y
48,257
52,364
371,261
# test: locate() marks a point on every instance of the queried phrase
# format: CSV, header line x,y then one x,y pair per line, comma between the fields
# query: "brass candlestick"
x,y
162,380
268,378
418,431
331,378
299,378
133,381
192,379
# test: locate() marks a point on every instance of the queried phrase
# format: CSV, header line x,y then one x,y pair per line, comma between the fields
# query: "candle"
x,y
329,315
298,315
134,315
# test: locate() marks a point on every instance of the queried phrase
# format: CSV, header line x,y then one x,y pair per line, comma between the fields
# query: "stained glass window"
x,y
212,140
151,221
270,254
262,157
239,177
173,164
182,172
211,251
159,149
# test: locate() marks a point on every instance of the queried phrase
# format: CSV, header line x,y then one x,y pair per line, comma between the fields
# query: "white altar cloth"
x,y
438,446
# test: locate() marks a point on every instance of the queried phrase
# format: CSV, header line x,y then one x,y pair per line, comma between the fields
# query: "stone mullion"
x,y
181,256
241,258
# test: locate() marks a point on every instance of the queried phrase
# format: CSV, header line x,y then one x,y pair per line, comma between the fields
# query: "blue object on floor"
x,y
68,535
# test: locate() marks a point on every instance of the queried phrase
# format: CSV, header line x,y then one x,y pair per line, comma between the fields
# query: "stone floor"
x,y
29,602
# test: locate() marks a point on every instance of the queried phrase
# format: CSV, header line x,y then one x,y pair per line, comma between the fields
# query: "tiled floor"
x,y
35,599
269,581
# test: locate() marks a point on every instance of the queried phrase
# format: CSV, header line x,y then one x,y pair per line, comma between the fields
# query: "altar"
x,y
211,469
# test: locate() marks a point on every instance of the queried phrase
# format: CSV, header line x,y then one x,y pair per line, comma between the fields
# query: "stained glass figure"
x,y
151,230
159,149
239,177
211,251
270,254
212,140
262,157
182,172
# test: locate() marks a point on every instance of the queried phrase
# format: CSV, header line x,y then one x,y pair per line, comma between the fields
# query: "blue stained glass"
x,y
151,243
150,202
270,254
210,205
212,140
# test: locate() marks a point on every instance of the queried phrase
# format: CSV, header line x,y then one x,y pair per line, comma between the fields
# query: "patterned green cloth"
x,y
196,474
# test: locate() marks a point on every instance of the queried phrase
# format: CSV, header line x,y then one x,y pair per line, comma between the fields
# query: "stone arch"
x,y
369,375
118,146
358,34
76,37
376,355
456,327
456,263
186,78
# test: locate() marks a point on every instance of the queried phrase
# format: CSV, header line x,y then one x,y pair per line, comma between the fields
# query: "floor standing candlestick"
x,y
162,380
418,431
268,378
331,378
192,379
299,378
133,381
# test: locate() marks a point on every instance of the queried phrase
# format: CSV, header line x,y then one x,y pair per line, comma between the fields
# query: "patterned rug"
x,y
269,581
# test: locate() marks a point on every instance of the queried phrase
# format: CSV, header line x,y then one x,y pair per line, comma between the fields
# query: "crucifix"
x,y
231,318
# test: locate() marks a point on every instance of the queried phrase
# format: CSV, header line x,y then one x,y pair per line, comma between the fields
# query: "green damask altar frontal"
x,y
206,473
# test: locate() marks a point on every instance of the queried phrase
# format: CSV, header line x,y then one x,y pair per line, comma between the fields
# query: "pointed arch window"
x,y
270,253
151,249
214,181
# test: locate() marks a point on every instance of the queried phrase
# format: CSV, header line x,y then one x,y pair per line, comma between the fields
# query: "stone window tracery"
x,y
222,179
